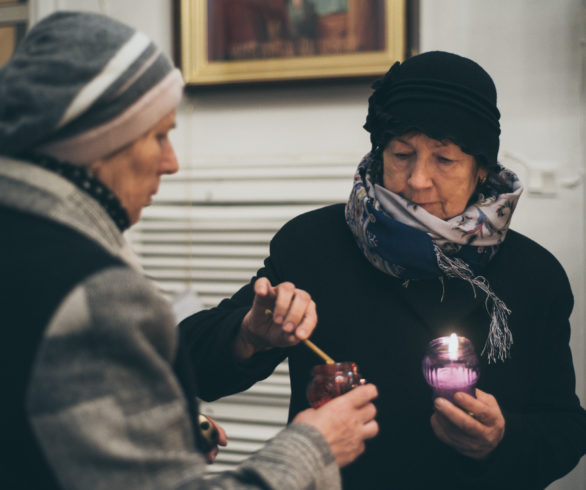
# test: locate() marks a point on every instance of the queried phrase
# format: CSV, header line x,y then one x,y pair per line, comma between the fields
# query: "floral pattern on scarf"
x,y
405,241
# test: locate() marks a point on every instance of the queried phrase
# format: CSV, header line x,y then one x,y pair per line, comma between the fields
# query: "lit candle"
x,y
450,365
453,347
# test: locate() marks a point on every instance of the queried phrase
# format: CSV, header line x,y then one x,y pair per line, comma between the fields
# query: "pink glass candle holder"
x,y
450,365
332,380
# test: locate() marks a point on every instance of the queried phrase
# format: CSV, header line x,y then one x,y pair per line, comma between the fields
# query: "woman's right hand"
x,y
345,422
280,316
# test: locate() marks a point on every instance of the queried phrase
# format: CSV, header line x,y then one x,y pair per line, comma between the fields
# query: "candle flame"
x,y
453,347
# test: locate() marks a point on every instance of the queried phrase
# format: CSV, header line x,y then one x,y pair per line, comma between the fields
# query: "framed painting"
x,y
243,41
13,21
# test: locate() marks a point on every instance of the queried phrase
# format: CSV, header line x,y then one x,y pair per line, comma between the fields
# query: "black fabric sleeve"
x,y
548,440
206,341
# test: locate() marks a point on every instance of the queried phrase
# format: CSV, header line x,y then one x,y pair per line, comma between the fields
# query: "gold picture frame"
x,y
13,23
209,56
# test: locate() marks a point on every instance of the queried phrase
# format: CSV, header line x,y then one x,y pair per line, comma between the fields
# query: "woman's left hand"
x,y
222,441
474,427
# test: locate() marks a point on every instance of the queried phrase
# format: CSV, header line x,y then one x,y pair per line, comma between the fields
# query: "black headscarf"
x,y
443,95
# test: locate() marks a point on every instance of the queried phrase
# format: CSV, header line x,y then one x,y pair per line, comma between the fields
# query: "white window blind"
x,y
208,232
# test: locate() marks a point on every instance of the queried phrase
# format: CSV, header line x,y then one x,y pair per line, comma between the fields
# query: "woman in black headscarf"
x,y
421,249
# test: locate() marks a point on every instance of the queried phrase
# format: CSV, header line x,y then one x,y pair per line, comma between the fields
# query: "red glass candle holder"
x,y
332,380
450,365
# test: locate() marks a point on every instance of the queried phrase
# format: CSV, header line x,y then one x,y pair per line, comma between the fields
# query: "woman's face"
x,y
133,174
436,175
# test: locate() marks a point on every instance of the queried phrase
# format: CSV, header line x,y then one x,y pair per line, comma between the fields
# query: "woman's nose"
x,y
420,175
169,164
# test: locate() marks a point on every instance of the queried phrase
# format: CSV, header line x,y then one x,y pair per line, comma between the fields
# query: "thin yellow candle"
x,y
311,345
319,352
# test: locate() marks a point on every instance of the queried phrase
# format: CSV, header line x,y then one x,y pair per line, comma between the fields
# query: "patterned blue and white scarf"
x,y
405,241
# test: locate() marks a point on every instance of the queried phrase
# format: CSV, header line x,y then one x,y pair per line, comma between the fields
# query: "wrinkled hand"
x,y
222,441
345,422
280,316
473,430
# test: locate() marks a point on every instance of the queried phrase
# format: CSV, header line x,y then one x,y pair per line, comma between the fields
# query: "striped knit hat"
x,y
81,86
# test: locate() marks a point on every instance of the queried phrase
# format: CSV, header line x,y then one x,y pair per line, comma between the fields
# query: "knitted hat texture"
x,y
443,95
81,86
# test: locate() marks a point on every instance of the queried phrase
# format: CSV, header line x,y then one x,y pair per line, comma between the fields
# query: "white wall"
x,y
533,50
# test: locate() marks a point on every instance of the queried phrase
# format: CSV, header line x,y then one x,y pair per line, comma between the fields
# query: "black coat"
x,y
372,319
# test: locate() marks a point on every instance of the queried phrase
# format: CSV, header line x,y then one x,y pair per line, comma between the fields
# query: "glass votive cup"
x,y
448,370
332,380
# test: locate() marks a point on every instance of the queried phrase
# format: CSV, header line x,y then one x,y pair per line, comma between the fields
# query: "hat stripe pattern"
x,y
109,74
128,126
146,65
141,76
82,86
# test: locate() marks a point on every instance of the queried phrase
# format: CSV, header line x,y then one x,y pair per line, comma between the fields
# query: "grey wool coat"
x,y
91,398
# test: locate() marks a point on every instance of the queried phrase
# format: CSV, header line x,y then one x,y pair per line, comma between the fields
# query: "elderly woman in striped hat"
x,y
90,395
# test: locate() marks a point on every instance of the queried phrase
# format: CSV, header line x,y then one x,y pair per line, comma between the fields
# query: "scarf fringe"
x,y
499,340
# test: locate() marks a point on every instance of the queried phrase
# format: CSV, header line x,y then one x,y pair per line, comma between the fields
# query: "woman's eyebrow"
x,y
400,140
